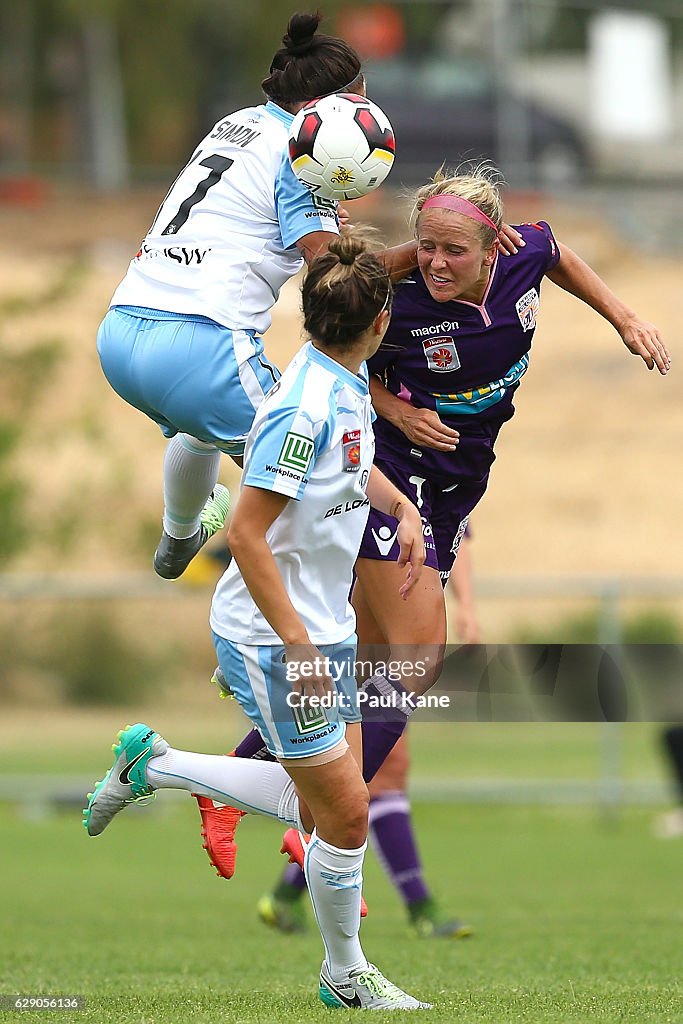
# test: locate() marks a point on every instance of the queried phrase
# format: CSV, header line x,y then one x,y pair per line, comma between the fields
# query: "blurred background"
x,y
578,539
541,834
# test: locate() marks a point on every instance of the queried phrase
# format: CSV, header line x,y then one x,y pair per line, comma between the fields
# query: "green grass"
x,y
574,923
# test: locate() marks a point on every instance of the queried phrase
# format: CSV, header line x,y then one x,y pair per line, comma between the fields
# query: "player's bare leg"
x,y
414,630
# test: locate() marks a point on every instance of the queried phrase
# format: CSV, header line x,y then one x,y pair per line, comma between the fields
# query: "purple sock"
x,y
385,716
379,738
294,877
252,746
393,838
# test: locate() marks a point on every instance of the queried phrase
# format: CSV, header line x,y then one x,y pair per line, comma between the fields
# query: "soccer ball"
x,y
341,146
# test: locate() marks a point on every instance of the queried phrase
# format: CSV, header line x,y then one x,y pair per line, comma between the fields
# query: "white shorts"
x,y
257,676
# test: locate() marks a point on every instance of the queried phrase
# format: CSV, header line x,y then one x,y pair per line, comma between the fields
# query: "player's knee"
x,y
354,832
351,822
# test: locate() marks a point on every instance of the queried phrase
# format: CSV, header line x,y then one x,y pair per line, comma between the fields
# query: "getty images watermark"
x,y
495,682
394,671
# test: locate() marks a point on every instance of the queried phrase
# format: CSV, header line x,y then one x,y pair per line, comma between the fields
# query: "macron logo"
x,y
444,328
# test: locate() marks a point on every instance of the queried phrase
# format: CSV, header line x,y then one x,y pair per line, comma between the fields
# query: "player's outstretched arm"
x,y
315,243
640,337
399,259
387,498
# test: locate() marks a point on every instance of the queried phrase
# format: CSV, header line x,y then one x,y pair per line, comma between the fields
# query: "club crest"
x,y
441,354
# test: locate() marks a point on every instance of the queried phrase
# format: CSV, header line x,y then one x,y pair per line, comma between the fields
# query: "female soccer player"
x,y
182,339
444,379
283,626
391,829
442,384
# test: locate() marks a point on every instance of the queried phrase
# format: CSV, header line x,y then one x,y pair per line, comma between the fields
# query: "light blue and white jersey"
x,y
224,240
312,440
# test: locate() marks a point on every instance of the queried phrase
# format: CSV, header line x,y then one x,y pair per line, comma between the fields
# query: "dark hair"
x,y
343,292
309,64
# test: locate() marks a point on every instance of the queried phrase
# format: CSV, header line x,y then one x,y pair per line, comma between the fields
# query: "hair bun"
x,y
301,30
348,247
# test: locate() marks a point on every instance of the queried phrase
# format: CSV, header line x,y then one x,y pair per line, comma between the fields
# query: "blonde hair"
x,y
478,183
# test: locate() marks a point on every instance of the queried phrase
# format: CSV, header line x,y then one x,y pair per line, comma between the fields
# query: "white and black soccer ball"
x,y
341,146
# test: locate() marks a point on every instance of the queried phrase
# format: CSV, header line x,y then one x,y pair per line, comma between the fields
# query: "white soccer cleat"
x,y
125,782
365,989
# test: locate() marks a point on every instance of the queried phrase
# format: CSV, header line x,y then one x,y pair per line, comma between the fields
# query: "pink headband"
x,y
459,205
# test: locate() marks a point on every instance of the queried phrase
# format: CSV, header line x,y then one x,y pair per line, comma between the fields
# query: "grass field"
x,y
574,922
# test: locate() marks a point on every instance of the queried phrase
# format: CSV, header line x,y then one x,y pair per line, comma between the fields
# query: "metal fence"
x,y
609,593
608,791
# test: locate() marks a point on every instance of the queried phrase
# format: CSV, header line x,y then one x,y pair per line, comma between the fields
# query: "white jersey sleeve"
x,y
223,241
293,204
290,433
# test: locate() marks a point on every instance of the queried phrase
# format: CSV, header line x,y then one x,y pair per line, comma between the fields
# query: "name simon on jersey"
x,y
348,506
179,253
237,134
444,328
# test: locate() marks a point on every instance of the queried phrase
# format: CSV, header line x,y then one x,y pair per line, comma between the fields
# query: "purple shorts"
x,y
444,507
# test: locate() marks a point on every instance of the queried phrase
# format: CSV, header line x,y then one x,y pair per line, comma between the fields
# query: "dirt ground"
x,y
588,476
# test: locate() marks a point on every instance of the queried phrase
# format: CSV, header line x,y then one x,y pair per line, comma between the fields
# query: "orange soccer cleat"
x,y
219,824
294,846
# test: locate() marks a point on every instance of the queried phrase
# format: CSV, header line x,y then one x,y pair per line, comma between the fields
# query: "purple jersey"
x,y
463,360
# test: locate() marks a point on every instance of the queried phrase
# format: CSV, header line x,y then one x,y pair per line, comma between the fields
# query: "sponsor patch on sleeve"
x,y
351,451
296,452
527,309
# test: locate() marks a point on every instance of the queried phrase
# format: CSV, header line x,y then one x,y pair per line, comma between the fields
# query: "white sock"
x,y
262,787
335,878
190,473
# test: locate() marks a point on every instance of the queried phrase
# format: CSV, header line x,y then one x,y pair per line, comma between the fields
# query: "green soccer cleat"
x,y
286,916
365,989
173,556
126,781
429,923
218,679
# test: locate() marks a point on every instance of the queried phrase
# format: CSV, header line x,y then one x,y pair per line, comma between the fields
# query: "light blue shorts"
x,y
257,676
187,373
